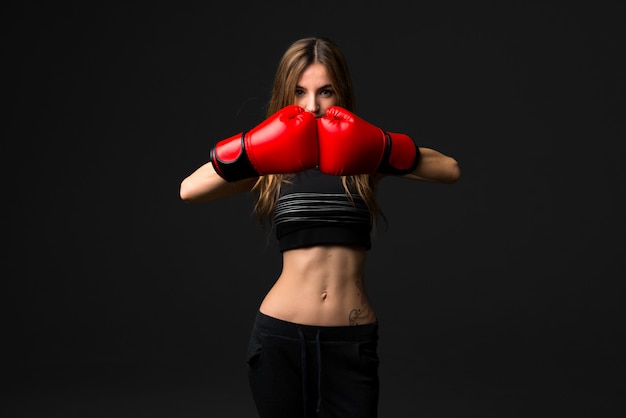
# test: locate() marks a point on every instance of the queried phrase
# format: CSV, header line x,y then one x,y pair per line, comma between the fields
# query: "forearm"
x,y
435,167
205,184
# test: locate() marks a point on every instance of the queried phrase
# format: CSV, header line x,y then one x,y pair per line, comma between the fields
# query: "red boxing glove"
x,y
349,145
286,142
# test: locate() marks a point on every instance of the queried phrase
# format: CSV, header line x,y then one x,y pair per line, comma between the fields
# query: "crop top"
x,y
315,209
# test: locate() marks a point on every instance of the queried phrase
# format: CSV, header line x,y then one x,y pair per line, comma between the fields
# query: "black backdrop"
x,y
498,296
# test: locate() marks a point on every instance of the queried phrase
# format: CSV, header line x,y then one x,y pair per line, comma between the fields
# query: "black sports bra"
x,y
315,209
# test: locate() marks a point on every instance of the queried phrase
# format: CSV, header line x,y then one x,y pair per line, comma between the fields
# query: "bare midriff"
x,y
321,285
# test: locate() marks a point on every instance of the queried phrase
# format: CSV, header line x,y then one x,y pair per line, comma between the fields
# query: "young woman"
x,y
313,166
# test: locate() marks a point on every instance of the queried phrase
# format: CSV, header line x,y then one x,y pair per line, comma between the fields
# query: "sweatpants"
x,y
313,371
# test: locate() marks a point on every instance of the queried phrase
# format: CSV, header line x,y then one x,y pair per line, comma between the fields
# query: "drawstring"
x,y
319,371
304,370
303,360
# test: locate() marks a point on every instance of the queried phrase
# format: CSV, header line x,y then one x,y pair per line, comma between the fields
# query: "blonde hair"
x,y
298,56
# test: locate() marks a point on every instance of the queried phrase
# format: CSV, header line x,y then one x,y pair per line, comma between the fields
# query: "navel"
x,y
324,295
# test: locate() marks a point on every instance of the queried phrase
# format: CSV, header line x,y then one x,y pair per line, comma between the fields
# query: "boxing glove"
x,y
286,142
349,145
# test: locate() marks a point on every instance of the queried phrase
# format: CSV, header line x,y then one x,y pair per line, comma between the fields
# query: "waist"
x,y
348,333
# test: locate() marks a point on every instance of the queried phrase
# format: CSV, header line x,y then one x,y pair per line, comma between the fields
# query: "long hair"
x,y
298,56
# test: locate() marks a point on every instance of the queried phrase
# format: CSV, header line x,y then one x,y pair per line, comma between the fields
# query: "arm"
x,y
433,166
285,142
351,145
205,184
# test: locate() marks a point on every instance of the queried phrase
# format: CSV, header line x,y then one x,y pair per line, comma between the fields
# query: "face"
x,y
315,92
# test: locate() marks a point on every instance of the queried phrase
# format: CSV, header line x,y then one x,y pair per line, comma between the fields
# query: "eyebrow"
x,y
327,86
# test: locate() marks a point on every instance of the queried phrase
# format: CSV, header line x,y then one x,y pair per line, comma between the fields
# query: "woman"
x,y
313,167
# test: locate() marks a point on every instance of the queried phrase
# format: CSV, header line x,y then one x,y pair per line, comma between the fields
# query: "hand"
x,y
286,142
350,145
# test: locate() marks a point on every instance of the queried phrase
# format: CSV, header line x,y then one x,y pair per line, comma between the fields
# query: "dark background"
x,y
499,296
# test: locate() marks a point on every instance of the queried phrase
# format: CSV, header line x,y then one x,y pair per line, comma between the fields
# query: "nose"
x,y
312,105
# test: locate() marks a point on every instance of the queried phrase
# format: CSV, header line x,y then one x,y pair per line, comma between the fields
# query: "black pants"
x,y
310,371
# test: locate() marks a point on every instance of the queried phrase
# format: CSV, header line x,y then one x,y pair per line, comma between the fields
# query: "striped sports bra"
x,y
314,209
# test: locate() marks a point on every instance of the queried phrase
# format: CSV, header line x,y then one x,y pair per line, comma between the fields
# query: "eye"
x,y
299,92
326,93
